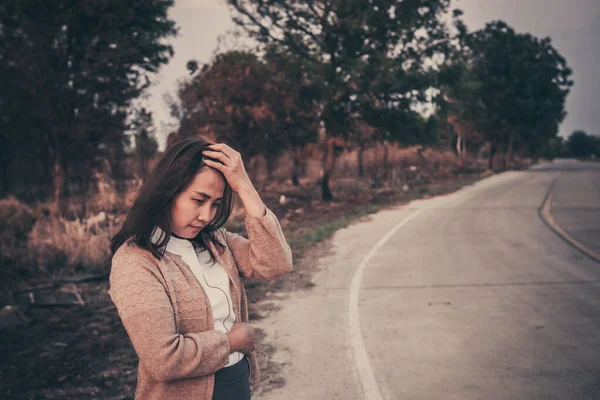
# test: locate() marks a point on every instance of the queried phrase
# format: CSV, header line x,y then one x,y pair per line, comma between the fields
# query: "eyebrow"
x,y
205,195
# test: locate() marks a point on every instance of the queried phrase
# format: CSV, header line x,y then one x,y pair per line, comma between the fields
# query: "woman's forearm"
x,y
253,204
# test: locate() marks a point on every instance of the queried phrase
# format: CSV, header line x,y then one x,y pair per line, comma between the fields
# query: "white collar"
x,y
175,245
178,246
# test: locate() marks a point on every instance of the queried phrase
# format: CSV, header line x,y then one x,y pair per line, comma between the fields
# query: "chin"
x,y
194,233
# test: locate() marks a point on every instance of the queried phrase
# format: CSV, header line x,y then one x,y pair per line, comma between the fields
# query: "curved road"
x,y
472,296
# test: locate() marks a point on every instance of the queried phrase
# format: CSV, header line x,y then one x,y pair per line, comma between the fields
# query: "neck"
x,y
178,237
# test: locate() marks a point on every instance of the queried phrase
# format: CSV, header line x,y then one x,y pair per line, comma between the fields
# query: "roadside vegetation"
x,y
340,109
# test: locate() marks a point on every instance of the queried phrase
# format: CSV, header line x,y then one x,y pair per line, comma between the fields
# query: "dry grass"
x,y
34,241
104,196
60,245
16,218
403,164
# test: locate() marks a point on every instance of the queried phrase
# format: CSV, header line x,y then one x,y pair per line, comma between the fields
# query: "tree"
x,y
522,86
367,54
229,98
458,103
294,98
257,106
554,148
146,146
582,145
77,66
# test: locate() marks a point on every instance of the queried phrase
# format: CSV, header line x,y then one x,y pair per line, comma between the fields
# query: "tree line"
x,y
325,73
69,73
579,145
355,72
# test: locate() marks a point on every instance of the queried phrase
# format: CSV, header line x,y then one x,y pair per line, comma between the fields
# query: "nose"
x,y
204,215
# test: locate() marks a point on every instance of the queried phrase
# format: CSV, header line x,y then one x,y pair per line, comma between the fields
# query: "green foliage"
x,y
522,84
505,88
293,96
69,72
581,145
553,148
368,55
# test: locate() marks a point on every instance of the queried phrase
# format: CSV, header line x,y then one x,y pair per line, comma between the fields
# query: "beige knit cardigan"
x,y
168,316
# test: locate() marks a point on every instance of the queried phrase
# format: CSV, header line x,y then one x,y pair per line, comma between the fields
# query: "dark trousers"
x,y
233,383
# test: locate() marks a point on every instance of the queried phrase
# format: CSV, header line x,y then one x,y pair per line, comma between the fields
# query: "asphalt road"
x,y
465,296
576,202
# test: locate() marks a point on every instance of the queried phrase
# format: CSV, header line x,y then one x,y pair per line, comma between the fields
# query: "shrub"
x,y
16,218
57,243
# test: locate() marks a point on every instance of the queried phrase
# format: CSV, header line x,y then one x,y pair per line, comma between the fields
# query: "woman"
x,y
175,276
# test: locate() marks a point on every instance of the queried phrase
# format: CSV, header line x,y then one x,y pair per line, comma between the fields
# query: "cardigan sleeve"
x,y
265,255
148,316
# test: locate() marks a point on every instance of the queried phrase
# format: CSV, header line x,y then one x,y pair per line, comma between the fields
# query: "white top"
x,y
214,281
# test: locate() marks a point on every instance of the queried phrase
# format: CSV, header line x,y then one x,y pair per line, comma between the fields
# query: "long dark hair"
x,y
151,208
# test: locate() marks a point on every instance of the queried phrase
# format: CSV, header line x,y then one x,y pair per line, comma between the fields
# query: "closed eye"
x,y
199,201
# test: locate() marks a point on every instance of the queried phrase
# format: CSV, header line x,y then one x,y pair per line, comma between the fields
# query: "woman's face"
x,y
195,207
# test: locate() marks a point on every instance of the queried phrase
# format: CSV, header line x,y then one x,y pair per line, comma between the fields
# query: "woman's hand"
x,y
230,164
241,338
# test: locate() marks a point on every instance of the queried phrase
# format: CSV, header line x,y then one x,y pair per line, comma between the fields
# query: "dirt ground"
x,y
82,351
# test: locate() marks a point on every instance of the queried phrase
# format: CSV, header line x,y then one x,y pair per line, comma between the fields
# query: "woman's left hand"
x,y
230,164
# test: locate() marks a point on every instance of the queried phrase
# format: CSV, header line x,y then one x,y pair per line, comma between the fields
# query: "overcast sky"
x,y
573,26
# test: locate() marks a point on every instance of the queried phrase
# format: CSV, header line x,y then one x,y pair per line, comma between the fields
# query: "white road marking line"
x,y
361,358
546,216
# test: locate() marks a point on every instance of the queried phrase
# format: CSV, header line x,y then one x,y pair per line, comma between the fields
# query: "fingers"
x,y
221,147
225,149
214,164
217,155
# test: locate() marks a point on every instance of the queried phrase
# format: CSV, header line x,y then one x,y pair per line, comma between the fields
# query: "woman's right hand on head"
x,y
241,338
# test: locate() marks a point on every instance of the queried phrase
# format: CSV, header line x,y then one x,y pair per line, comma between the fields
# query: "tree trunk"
x,y
502,157
270,160
386,155
459,149
142,163
325,190
422,161
58,181
509,152
45,160
5,189
491,156
361,159
141,156
297,153
328,166
67,181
